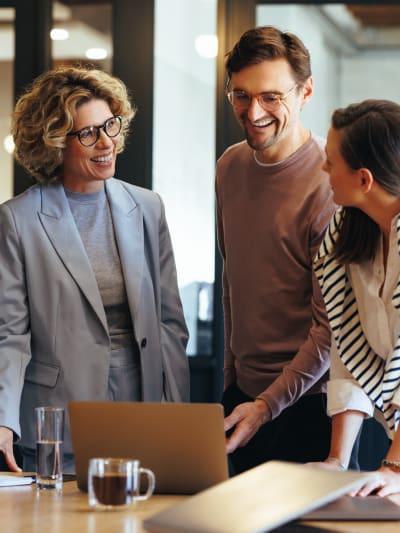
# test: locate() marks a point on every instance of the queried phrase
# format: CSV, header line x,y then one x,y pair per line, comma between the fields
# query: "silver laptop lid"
x,y
256,501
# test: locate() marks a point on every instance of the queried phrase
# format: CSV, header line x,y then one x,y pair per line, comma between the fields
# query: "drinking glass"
x,y
49,447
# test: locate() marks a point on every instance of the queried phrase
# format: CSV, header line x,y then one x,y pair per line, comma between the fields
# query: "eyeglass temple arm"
x,y
228,80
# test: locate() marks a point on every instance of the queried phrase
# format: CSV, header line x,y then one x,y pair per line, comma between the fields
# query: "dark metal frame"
x,y
32,57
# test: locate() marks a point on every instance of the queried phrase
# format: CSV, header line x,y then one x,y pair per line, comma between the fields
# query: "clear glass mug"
x,y
115,482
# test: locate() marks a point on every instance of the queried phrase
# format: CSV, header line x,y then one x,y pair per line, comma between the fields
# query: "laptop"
x,y
183,443
259,500
372,508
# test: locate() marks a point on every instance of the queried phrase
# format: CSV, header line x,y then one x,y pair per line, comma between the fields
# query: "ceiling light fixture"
x,y
96,53
59,34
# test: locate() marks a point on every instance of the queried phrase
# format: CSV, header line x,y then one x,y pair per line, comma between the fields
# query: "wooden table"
x,y
24,509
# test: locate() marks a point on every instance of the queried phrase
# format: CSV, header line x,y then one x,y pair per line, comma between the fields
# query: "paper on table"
x,y
10,481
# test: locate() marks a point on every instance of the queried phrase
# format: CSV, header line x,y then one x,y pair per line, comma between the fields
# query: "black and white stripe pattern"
x,y
378,378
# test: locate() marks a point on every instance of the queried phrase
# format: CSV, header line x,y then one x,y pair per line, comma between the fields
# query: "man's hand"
x,y
6,446
248,417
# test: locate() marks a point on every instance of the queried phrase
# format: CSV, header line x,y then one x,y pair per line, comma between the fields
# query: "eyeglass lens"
x,y
268,101
89,136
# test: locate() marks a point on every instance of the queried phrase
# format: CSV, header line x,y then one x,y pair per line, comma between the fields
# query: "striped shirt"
x,y
363,308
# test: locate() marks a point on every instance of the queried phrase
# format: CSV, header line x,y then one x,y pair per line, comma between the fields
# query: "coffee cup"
x,y
116,482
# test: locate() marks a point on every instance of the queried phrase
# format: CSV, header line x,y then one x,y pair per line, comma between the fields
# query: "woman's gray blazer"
x,y
54,342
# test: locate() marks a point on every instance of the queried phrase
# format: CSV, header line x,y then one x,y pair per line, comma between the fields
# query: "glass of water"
x,y
49,447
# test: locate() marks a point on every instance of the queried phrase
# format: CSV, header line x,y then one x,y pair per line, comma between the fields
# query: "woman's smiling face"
x,y
85,168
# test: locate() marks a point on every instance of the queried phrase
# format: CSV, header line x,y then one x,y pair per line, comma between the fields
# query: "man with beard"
x,y
273,205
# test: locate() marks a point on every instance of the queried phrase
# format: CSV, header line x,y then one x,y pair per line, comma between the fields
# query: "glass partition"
x,y
184,150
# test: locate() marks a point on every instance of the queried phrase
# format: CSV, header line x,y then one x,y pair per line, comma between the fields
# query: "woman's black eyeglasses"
x,y
90,135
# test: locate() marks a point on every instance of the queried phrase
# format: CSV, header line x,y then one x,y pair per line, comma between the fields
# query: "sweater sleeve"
x,y
308,366
311,362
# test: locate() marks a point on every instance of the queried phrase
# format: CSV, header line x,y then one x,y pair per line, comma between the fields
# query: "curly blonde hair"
x,y
44,115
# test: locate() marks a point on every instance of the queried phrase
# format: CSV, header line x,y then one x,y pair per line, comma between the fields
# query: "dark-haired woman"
x,y
358,268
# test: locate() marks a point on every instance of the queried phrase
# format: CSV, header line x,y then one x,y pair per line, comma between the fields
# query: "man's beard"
x,y
264,145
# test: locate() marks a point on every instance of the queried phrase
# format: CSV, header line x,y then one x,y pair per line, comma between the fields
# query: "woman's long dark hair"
x,y
370,139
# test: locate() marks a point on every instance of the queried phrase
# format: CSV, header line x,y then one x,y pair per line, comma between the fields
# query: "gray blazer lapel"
x,y
128,226
58,223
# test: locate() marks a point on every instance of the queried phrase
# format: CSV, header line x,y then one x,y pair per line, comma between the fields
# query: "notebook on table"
x,y
372,508
259,500
183,443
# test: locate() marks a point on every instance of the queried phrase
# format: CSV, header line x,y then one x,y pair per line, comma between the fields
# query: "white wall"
x,y
372,74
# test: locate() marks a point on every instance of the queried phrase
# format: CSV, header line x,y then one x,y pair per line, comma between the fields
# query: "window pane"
x,y
82,33
184,150
7,55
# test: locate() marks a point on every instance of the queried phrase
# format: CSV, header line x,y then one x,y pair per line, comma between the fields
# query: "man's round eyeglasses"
x,y
90,135
268,101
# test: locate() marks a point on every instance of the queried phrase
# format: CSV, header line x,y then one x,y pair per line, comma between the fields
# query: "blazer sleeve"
x,y
174,333
15,351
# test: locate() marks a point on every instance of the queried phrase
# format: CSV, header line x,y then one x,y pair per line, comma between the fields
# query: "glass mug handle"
x,y
150,487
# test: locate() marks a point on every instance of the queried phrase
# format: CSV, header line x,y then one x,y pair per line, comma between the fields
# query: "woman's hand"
x,y
6,446
384,482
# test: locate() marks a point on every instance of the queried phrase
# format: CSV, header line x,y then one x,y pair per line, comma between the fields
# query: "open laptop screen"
x,y
183,443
